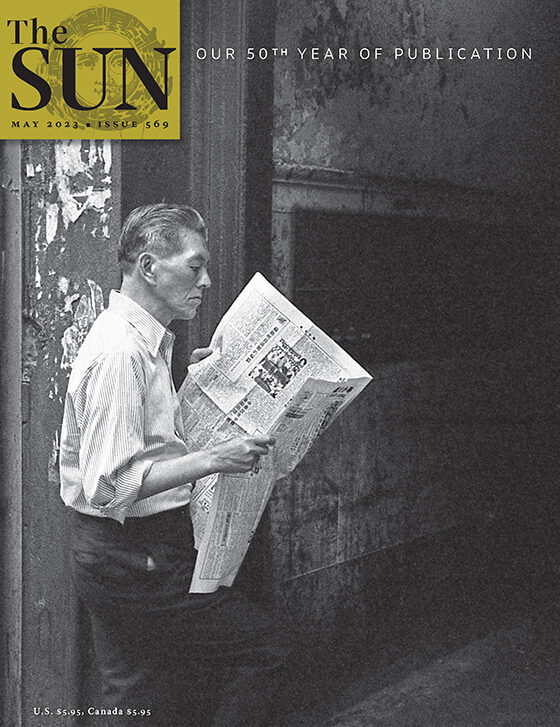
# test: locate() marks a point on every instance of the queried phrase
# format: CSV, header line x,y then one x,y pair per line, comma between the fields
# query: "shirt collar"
x,y
152,331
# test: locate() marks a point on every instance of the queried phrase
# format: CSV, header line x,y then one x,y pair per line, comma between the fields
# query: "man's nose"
x,y
205,281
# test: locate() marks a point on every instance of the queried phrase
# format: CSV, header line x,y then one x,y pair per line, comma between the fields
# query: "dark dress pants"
x,y
168,658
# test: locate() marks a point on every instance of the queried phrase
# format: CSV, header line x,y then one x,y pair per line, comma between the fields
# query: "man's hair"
x,y
153,228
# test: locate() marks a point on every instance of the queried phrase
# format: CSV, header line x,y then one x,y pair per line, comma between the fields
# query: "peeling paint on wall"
x,y
77,166
53,473
87,310
51,222
72,194
30,348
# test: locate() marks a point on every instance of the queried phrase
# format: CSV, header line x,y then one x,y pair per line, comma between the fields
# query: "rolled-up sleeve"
x,y
110,415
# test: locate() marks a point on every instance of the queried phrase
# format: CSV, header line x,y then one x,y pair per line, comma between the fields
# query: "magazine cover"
x,y
392,170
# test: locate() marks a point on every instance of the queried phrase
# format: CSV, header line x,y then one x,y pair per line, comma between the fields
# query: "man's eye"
x,y
195,268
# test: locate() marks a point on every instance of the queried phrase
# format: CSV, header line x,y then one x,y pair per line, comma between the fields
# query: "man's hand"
x,y
240,454
200,353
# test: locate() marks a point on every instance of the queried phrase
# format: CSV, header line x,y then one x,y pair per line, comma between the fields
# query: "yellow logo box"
x,y
72,70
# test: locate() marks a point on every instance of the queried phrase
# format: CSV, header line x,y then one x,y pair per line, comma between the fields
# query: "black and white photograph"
x,y
279,421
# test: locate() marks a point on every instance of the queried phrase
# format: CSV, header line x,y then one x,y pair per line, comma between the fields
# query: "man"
x,y
127,476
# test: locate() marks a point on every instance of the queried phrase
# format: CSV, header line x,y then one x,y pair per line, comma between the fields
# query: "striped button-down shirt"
x,y
121,414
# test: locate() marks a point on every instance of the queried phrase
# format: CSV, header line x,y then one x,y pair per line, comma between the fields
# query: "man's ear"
x,y
146,266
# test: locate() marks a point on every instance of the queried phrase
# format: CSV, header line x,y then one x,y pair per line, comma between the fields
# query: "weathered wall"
x,y
478,123
71,212
391,514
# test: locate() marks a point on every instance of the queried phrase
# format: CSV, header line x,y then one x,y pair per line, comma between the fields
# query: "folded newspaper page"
x,y
272,372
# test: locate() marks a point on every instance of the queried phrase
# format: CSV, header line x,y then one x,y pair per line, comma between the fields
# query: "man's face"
x,y
182,278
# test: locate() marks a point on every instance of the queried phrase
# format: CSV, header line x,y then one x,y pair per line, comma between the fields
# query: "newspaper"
x,y
272,372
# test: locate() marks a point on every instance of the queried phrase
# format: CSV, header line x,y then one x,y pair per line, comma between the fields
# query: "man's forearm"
x,y
167,474
234,455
